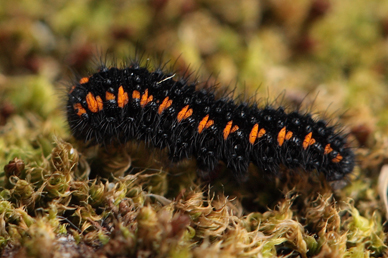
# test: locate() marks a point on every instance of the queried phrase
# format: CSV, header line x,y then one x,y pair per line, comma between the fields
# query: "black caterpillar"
x,y
132,103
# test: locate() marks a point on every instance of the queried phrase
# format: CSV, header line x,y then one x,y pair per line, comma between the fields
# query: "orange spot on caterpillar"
x,y
307,139
92,102
100,103
165,104
184,113
261,133
281,136
122,97
328,149
227,129
135,94
150,98
188,113
253,134
209,123
203,123
109,96
84,80
80,110
337,158
144,98
289,135
234,129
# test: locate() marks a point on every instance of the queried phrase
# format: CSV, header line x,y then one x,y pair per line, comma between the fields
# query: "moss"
x,y
58,197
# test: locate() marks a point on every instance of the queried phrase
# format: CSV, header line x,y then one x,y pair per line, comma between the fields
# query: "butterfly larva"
x,y
132,103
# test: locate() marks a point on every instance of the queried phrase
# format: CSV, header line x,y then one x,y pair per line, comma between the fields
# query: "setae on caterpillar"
x,y
132,103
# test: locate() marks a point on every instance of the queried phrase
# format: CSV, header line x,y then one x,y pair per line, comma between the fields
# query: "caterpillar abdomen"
x,y
132,103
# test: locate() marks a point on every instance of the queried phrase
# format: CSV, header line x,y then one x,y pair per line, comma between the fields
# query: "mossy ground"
x,y
58,198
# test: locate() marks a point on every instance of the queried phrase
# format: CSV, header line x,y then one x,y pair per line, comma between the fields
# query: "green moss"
x,y
329,55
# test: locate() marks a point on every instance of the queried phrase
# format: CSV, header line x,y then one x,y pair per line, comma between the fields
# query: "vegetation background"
x,y
58,198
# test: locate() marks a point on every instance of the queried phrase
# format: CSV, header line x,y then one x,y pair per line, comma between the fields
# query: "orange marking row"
x,y
165,104
96,104
79,108
145,99
122,97
184,113
308,140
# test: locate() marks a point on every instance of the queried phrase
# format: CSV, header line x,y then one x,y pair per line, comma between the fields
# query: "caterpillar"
x,y
131,103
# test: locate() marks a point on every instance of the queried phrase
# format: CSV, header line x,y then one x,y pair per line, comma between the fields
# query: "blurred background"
x,y
329,56
334,51
336,48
